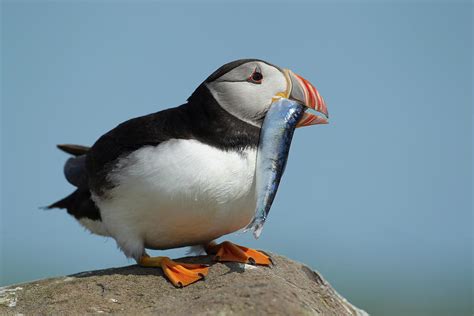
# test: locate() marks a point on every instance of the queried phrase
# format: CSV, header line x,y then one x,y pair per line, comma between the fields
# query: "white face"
x,y
247,95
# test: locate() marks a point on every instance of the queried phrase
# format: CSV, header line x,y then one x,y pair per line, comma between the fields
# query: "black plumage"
x,y
233,64
201,118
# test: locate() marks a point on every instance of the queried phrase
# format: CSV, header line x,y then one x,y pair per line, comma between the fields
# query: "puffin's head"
x,y
246,88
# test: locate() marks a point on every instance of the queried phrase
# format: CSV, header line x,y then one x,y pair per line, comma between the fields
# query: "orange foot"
x,y
227,251
180,274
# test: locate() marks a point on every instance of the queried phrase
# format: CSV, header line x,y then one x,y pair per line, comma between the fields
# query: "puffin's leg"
x,y
180,274
227,251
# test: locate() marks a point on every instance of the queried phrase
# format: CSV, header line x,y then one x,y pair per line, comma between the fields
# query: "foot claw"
x,y
180,274
230,252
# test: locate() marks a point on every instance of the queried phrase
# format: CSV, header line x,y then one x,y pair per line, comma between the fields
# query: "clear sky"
x,y
387,210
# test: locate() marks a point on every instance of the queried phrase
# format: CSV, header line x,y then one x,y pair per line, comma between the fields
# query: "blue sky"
x,y
387,214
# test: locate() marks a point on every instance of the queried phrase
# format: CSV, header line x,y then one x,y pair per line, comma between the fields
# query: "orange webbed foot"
x,y
227,251
180,274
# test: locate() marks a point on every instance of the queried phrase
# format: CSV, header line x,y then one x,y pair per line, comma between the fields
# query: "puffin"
x,y
184,176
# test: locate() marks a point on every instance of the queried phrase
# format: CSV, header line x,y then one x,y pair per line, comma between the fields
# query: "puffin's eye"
x,y
256,76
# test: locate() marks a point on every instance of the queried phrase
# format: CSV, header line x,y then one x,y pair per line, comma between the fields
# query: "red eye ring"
x,y
256,77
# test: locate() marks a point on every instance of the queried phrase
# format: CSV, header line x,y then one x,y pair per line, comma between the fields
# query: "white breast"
x,y
179,193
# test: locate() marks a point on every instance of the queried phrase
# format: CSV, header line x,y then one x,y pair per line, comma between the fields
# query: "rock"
x,y
287,288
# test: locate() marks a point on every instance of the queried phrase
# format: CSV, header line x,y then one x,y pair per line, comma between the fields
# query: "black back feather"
x,y
201,119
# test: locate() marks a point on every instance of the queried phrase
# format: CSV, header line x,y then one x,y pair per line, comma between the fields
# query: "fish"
x,y
272,154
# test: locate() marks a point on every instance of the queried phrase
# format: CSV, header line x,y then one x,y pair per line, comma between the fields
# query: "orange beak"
x,y
301,90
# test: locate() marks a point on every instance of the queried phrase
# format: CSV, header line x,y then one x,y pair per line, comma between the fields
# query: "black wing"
x,y
131,135
201,118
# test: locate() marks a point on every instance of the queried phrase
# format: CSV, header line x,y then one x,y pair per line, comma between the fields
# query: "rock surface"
x,y
287,288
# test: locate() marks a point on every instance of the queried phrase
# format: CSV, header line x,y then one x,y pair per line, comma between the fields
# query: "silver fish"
x,y
272,153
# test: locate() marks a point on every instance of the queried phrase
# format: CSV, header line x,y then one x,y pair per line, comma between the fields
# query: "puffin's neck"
x,y
213,125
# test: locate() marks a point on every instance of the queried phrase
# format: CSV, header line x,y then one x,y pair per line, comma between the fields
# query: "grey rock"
x,y
286,288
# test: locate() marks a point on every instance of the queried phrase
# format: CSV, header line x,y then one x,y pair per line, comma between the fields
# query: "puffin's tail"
x,y
75,150
75,173
68,202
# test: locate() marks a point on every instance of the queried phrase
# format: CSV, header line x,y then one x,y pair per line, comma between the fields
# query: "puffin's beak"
x,y
303,91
